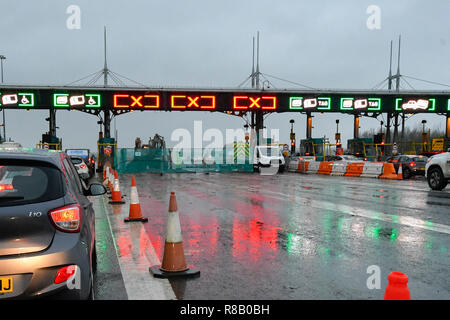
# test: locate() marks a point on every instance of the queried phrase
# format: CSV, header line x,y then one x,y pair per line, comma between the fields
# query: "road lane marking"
x,y
136,254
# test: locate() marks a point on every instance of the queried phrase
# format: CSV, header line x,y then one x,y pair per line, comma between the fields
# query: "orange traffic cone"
x,y
135,207
105,177
397,288
174,263
111,180
116,196
400,172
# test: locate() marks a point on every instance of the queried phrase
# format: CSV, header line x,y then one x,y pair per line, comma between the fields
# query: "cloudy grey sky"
x,y
323,44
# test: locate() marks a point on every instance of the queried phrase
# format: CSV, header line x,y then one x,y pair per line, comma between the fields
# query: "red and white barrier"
x,y
313,167
344,168
339,168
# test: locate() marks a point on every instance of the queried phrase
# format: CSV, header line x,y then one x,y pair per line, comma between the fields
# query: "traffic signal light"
x,y
292,147
337,137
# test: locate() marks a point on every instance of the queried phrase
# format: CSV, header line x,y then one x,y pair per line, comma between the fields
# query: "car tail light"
x,y
66,219
395,161
82,166
65,273
4,187
412,164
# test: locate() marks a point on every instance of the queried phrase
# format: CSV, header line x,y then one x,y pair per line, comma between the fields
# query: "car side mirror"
x,y
96,189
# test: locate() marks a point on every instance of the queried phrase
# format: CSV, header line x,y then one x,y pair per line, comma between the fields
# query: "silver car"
x,y
47,234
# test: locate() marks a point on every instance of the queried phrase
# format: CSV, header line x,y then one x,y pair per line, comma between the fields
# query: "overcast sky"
x,y
322,44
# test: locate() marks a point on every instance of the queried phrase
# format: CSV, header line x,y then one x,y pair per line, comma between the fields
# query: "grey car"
x,y
47,231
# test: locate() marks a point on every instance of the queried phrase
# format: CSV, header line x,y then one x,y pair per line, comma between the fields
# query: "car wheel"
x,y
436,179
91,290
406,173
94,258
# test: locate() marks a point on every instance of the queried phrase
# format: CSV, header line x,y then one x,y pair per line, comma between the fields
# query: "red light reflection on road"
x,y
253,238
199,231
124,244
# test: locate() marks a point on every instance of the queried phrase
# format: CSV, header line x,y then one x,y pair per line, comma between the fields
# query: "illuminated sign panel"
x,y
87,100
201,102
20,99
414,105
448,105
301,103
360,104
130,101
243,102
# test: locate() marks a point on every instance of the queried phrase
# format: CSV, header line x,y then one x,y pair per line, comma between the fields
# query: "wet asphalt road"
x,y
294,236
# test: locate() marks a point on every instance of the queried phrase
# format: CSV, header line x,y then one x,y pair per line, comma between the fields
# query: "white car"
x,y
349,158
268,156
437,170
81,167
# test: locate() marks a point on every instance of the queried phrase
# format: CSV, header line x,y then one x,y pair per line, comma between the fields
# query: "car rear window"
x,y
76,160
420,159
25,184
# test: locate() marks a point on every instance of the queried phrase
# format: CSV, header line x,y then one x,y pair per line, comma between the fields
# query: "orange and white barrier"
x,y
325,167
372,170
389,171
350,169
339,168
354,169
313,167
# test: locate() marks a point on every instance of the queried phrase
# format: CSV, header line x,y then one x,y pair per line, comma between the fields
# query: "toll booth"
x,y
312,147
49,142
106,150
357,148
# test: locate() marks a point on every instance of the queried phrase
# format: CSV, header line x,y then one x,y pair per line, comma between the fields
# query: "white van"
x,y
268,156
